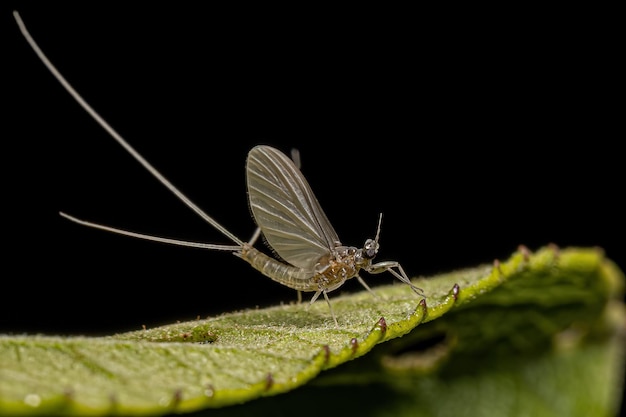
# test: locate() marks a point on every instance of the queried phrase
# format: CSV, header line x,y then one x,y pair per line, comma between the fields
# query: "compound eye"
x,y
370,249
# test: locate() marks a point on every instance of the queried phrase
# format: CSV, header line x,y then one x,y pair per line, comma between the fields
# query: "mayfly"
x,y
286,212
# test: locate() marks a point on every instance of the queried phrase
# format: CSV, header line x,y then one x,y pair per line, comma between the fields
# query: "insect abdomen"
x,y
291,276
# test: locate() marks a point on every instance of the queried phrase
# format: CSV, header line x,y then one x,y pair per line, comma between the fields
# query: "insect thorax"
x,y
343,263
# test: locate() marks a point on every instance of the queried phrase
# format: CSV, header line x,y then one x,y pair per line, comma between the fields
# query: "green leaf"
x,y
540,335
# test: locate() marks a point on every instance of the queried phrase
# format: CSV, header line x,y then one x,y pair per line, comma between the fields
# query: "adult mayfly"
x,y
286,213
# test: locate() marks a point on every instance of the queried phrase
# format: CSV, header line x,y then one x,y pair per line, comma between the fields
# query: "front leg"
x,y
400,274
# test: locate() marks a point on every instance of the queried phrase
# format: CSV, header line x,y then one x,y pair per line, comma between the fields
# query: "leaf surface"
x,y
499,337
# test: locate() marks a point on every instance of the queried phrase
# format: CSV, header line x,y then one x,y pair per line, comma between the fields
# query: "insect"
x,y
286,212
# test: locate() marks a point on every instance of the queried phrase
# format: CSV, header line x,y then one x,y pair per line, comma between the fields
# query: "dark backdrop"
x,y
471,138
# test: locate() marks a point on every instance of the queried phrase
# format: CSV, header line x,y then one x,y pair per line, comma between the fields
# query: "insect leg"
x,y
367,287
316,295
330,308
401,275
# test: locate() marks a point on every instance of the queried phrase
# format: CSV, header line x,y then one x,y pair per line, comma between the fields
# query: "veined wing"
x,y
286,209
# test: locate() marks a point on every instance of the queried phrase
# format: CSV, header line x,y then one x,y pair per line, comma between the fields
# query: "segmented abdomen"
x,y
291,276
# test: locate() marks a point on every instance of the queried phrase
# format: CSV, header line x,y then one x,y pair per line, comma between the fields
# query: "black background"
x,y
471,136
473,131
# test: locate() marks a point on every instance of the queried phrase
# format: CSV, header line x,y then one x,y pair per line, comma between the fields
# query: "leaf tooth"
x,y
555,248
525,252
455,293
382,323
326,349
498,266
113,400
355,344
424,307
177,398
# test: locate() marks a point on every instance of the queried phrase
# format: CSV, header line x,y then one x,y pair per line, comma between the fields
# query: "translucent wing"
x,y
286,210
